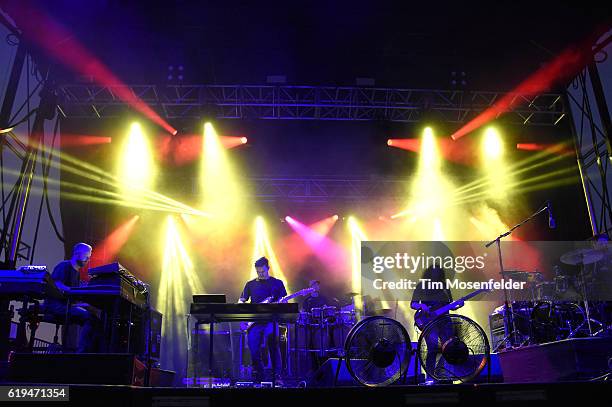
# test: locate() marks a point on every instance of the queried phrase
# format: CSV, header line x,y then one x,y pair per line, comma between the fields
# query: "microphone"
x,y
551,220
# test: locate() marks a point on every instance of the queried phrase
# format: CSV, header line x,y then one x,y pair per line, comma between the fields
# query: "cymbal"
x,y
352,294
582,257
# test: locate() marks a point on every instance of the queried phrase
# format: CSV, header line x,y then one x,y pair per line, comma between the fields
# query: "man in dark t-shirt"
x,y
66,275
268,289
428,300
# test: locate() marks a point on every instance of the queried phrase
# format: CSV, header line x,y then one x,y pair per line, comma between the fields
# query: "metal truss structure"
x,y
85,101
327,189
592,133
17,147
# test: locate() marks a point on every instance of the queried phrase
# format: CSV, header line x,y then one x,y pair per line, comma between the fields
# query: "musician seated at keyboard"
x,y
66,275
264,288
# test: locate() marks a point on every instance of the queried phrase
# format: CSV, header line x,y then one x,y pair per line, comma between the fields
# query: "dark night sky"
x,y
399,43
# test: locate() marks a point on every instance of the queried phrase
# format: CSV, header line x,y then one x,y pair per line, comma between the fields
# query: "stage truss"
x,y
591,124
87,101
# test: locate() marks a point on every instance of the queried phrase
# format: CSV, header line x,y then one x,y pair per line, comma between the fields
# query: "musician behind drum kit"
x,y
315,299
264,288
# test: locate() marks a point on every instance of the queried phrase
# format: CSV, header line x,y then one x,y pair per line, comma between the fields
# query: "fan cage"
x,y
374,340
451,329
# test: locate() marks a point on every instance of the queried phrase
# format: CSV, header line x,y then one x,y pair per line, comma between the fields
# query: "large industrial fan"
x,y
377,351
453,348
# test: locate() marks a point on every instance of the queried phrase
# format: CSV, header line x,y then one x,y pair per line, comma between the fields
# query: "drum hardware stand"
x,y
508,309
583,292
587,312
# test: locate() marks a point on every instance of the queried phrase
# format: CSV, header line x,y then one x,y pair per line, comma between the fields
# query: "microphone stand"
x,y
508,309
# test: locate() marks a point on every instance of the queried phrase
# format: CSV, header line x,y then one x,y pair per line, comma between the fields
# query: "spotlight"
x,y
222,191
263,247
492,144
243,140
430,158
136,167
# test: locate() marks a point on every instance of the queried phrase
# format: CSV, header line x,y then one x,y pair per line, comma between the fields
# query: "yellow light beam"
x,y
263,247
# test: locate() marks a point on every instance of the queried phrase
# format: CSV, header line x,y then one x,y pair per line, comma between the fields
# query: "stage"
x,y
333,203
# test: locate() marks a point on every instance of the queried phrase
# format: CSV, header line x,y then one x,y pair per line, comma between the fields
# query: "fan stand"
x,y
463,379
341,357
379,351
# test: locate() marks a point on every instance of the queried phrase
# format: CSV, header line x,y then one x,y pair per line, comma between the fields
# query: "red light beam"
x,y
59,44
564,66
107,250
560,149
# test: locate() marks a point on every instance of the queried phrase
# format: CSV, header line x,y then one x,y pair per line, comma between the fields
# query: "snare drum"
x,y
325,314
304,318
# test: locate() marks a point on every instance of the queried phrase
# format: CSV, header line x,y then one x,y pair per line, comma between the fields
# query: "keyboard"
x,y
285,312
32,281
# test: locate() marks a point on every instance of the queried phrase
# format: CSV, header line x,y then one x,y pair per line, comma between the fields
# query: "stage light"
x,y
222,193
315,236
430,155
494,165
478,189
136,168
408,144
107,250
178,282
80,140
431,193
232,141
263,248
492,144
566,65
62,46
438,233
558,148
357,236
323,226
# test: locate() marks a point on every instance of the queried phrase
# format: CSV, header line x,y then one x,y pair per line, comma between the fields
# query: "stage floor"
x,y
544,394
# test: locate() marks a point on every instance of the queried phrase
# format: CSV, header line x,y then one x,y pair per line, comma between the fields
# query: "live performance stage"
x,y
208,203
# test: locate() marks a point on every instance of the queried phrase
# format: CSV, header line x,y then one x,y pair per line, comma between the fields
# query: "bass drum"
x,y
552,321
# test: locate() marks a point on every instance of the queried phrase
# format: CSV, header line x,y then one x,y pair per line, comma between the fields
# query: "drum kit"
x,y
322,330
557,309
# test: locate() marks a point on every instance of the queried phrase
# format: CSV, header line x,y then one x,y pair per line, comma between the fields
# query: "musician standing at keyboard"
x,y
66,275
263,289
